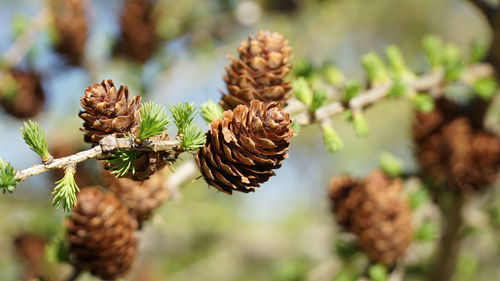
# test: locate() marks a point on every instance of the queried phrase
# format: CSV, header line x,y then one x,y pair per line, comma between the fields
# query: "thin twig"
x,y
106,146
431,83
184,173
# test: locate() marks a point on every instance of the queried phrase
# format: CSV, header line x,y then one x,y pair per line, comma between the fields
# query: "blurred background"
x,y
285,230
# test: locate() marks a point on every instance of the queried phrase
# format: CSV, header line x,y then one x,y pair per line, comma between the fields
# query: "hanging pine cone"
x,y
25,97
108,111
376,211
138,39
454,149
101,234
259,73
140,198
71,25
244,146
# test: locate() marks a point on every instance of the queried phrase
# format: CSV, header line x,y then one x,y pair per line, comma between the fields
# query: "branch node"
x,y
108,144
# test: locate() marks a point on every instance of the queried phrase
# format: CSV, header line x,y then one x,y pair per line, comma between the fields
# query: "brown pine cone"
x,y
27,99
101,234
31,248
259,73
140,198
453,149
376,211
138,39
71,24
108,112
244,146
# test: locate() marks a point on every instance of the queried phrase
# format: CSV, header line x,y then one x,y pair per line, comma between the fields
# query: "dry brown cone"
x,y
107,111
244,146
101,234
141,198
264,61
27,99
377,212
71,24
138,37
454,150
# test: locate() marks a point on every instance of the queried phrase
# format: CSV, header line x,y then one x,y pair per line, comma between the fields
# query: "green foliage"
x,y
390,164
122,162
303,68
433,47
154,121
378,272
346,249
319,99
346,274
65,191
193,138
478,52
423,103
453,62
7,174
397,63
35,138
183,114
485,88
210,111
332,75
332,141
418,198
9,87
295,127
351,90
427,231
57,251
303,91
360,125
398,89
467,266
375,68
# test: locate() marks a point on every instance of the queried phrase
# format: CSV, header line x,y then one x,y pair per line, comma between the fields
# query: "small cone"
x,y
71,25
259,73
101,234
107,111
376,211
140,198
245,146
27,99
138,39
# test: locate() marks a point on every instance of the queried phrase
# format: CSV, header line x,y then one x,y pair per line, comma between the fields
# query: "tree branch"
x,y
106,146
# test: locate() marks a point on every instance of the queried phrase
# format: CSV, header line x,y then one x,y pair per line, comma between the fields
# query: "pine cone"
x,y
101,234
138,30
259,72
108,112
28,98
244,146
140,198
31,248
454,149
376,212
71,25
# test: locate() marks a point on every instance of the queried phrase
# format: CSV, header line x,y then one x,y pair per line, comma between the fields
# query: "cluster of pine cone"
x,y
252,137
453,147
376,211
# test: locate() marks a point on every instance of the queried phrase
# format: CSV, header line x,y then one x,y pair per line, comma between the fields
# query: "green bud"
x,y
397,63
433,47
375,68
303,91
378,272
295,127
427,231
346,249
319,99
35,138
332,141
351,90
9,87
210,111
390,164
7,175
418,198
303,68
333,75
486,87
478,52
57,251
397,89
423,103
360,125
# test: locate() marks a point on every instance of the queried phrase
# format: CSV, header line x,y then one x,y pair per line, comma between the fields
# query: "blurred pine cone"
x,y
140,198
101,234
31,248
376,211
70,21
138,37
453,148
259,73
108,111
244,146
21,93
